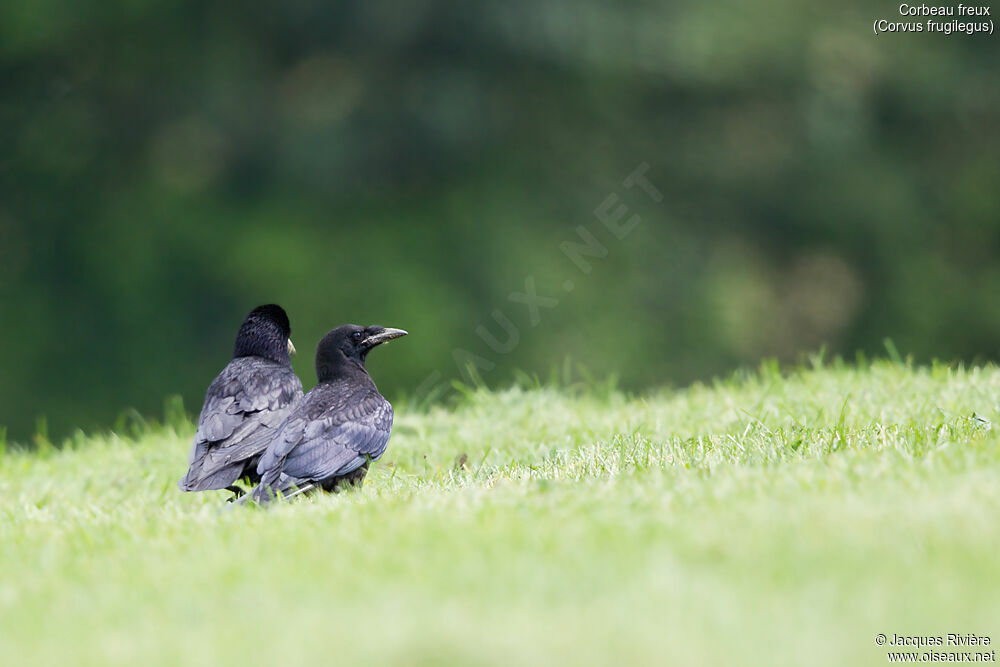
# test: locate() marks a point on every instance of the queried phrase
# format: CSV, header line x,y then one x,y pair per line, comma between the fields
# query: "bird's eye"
x,y
356,336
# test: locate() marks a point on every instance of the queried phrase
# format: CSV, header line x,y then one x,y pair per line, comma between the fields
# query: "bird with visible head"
x,y
245,404
339,428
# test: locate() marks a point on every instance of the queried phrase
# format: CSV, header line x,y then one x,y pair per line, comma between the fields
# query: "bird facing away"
x,y
245,404
341,425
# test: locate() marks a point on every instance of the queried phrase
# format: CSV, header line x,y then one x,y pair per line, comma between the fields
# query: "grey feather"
x,y
335,430
244,406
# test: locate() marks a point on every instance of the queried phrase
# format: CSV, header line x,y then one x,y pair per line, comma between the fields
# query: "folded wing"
x,y
330,434
244,407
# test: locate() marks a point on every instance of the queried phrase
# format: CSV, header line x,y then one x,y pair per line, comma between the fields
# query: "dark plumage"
x,y
245,404
340,426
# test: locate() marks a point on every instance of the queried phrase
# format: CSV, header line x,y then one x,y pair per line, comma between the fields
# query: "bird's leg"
x,y
361,473
236,491
353,479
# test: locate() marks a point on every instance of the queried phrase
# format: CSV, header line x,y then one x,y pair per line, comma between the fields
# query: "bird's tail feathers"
x,y
284,488
298,489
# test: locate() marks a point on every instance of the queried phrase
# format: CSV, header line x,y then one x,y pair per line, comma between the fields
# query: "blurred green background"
x,y
166,166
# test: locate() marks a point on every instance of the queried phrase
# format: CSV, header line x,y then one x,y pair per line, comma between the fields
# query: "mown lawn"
x,y
768,519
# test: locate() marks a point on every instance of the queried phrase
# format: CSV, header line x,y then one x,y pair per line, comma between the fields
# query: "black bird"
x,y
245,404
341,425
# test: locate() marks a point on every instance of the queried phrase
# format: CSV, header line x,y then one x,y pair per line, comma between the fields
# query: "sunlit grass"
x,y
766,519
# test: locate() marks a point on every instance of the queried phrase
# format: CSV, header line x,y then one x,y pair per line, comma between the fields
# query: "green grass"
x,y
767,519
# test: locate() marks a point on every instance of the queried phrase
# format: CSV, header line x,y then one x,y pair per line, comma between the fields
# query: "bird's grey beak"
x,y
291,347
383,336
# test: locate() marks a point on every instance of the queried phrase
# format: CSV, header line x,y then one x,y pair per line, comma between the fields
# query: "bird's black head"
x,y
265,333
347,346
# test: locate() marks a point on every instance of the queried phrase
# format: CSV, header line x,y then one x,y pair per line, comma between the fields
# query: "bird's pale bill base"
x,y
382,337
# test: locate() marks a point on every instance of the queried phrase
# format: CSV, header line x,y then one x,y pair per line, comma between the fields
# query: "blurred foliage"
x,y
166,166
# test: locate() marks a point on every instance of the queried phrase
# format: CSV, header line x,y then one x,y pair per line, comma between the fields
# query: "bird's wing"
x,y
327,436
244,407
